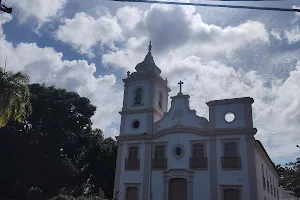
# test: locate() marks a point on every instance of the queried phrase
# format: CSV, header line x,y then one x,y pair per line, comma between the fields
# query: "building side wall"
x,y
287,195
263,193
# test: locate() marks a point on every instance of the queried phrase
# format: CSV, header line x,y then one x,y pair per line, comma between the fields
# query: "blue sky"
x,y
218,53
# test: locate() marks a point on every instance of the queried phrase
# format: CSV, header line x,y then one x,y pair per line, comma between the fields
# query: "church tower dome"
x,y
148,65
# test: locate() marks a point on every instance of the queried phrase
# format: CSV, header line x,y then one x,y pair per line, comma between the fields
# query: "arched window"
x,y
138,96
160,100
231,194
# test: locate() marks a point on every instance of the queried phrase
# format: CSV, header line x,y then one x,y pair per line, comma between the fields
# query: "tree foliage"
x,y
55,150
14,96
290,176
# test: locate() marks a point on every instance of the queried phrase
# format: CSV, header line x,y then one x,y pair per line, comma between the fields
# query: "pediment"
x,y
180,115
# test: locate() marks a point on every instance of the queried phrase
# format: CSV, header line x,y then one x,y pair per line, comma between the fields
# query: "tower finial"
x,y
150,47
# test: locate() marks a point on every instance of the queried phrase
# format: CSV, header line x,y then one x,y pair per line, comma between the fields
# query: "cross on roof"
x,y
180,85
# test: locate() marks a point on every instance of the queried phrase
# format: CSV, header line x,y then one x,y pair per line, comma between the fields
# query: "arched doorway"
x,y
178,189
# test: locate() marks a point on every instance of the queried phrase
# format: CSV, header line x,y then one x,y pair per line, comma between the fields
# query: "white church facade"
x,y
173,154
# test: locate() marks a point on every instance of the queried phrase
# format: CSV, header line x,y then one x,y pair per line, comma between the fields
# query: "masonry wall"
x,y
263,193
235,177
131,177
130,95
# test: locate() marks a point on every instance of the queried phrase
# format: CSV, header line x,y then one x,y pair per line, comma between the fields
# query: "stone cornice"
x,y
178,129
135,77
233,131
142,111
230,101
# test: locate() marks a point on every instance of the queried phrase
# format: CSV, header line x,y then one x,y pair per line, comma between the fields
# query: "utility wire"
x,y
246,0
212,5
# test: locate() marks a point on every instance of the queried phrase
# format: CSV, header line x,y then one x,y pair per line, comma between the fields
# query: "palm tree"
x,y
14,96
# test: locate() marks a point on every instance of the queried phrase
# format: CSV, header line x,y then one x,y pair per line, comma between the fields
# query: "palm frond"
x,y
14,96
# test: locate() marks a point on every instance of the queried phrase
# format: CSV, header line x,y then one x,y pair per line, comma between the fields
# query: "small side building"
x,y
287,195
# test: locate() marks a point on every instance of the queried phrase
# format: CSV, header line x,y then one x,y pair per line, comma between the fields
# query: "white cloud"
x,y
276,34
129,16
182,32
89,31
186,29
293,35
181,28
45,65
42,11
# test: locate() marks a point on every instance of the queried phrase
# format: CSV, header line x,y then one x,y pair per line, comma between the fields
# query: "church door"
x,y
132,193
178,189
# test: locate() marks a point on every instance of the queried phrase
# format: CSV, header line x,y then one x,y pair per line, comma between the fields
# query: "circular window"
x,y
178,151
229,117
136,124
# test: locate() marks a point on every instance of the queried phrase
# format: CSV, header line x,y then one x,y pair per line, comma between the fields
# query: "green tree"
x,y
57,152
290,176
14,96
46,153
99,163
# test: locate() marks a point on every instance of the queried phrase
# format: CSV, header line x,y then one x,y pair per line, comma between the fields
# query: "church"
x,y
174,154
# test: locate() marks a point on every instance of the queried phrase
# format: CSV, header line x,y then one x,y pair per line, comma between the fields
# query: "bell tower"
x,y
145,97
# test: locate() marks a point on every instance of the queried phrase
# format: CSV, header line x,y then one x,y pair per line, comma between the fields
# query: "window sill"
x,y
159,169
198,169
232,168
132,169
137,105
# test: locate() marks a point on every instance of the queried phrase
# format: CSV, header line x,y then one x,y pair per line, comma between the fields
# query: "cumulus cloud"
x,y
45,65
181,28
89,32
184,28
129,16
276,34
293,35
182,31
41,11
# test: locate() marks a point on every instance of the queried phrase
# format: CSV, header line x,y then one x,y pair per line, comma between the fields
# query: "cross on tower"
x,y
180,85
